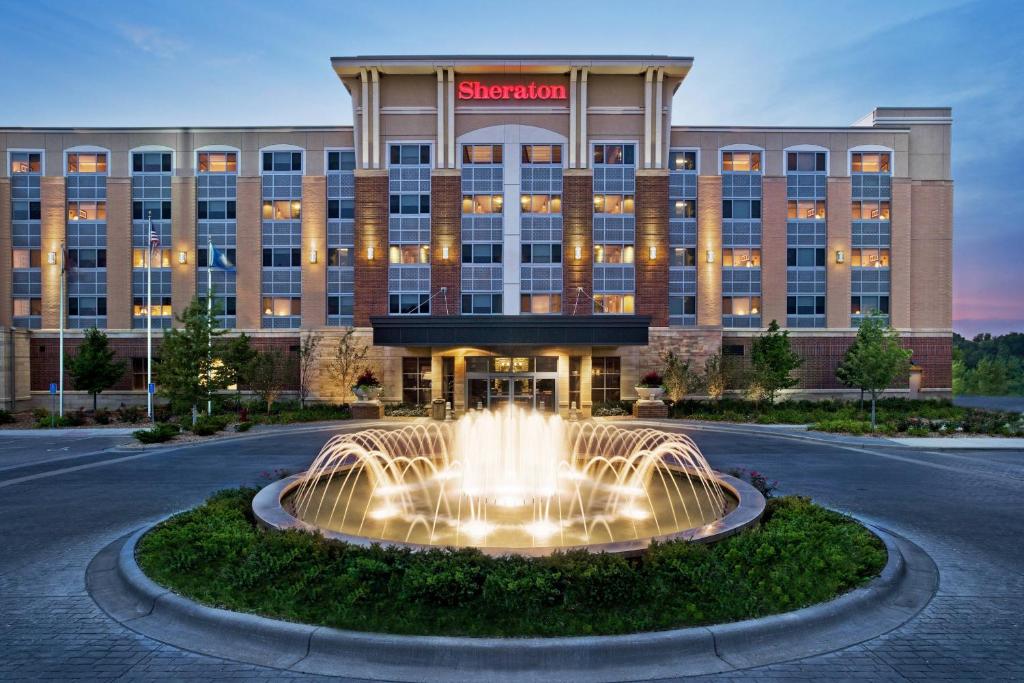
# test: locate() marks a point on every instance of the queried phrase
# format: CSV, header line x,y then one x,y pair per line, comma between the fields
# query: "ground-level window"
x,y
416,380
604,382
139,372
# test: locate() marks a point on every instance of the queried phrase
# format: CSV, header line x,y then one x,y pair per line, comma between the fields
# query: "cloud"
x,y
152,40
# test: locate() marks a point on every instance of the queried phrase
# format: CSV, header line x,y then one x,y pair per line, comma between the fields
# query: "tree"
x,y
678,379
93,368
773,362
715,375
874,360
991,377
347,360
235,355
308,356
268,375
186,366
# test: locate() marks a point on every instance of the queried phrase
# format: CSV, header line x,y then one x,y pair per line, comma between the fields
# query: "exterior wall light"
x,y
653,253
710,256
840,256
51,257
312,256
182,257
578,253
444,253
369,253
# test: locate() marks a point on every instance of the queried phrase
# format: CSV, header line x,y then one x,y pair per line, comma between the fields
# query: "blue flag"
x,y
218,259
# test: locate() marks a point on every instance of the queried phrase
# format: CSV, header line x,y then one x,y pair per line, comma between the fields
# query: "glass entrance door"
x,y
494,382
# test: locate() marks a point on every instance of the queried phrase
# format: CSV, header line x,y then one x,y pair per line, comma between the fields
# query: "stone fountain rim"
x,y
270,514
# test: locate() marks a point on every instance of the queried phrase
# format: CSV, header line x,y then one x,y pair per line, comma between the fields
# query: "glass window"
x,y
613,203
541,253
157,211
282,162
742,209
683,256
26,162
805,257
282,258
806,209
215,210
281,306
741,305
540,304
282,209
341,208
151,162
806,162
682,305
25,258
542,154
866,305
87,211
613,253
341,160
614,304
93,162
614,154
870,258
482,203
409,204
160,306
218,162
605,375
27,307
341,256
409,304
871,210
869,162
541,203
682,161
741,258
201,256
481,253
741,162
87,258
416,380
161,257
684,208
409,254
410,155
481,304
805,305
481,154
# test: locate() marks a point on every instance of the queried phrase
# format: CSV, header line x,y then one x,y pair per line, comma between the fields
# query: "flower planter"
x,y
367,393
650,393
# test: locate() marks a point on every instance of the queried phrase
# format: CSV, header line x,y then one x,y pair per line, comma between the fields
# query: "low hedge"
x,y
800,554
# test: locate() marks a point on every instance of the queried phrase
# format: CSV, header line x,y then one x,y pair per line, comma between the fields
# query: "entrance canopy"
x,y
520,330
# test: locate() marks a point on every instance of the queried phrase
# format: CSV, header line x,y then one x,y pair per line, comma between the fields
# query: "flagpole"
x,y
61,315
209,315
149,321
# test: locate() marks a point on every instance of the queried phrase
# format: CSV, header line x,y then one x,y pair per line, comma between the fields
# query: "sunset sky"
x,y
756,63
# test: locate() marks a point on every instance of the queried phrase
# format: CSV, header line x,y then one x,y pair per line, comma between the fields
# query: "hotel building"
x,y
523,228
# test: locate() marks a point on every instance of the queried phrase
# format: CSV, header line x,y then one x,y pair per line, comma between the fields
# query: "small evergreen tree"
x,y
991,377
773,362
874,360
235,355
186,366
93,368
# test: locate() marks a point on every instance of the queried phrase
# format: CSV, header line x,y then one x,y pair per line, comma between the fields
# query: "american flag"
x,y
154,239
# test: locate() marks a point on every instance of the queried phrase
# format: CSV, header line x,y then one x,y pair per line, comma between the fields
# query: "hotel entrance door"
x,y
494,382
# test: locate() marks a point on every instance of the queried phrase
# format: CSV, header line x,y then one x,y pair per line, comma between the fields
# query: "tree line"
x,y
989,366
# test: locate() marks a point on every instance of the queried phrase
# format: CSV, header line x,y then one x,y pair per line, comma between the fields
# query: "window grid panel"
x,y
541,279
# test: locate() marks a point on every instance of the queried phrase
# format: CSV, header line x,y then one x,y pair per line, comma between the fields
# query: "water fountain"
x,y
511,481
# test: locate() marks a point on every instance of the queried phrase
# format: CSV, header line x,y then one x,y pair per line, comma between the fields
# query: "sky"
x,y
247,62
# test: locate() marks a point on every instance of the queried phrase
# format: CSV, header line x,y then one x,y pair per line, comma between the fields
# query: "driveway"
x,y
963,508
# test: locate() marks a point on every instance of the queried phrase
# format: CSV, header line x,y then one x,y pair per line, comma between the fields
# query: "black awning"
x,y
506,330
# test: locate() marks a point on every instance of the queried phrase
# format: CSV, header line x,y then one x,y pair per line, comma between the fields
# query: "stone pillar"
x,y
6,264
774,212
445,231
709,239
371,275
839,238
52,232
119,253
652,231
249,253
577,231
183,239
314,238
901,261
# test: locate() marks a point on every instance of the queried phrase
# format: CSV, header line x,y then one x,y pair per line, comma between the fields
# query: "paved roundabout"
x,y
962,509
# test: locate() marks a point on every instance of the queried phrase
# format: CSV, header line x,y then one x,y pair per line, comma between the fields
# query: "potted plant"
x,y
367,386
650,387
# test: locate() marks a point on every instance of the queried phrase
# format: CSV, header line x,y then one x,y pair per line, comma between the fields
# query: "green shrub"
x,y
5,417
612,408
207,425
159,433
801,554
243,426
55,421
40,413
842,425
131,414
101,416
406,410
313,413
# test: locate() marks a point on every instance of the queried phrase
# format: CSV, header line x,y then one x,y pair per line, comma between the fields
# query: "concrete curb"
x,y
906,585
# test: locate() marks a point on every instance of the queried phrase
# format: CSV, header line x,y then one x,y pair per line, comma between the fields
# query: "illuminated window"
x,y
806,209
613,304
540,304
340,256
741,162
741,258
416,380
614,154
684,208
26,307
25,258
741,305
481,154
281,306
161,306
482,203
218,162
26,162
93,162
282,209
869,162
409,254
605,375
541,203
542,154
806,162
869,258
613,253
161,257
682,161
87,211
613,203
871,211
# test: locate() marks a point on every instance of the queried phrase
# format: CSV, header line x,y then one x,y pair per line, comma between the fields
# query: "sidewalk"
x,y
965,442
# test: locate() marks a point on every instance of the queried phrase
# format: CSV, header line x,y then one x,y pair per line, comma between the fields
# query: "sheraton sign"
x,y
475,90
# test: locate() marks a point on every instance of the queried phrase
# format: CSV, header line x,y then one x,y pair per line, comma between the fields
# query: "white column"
x,y
584,151
659,118
451,118
364,103
376,118
647,118
511,221
439,161
572,118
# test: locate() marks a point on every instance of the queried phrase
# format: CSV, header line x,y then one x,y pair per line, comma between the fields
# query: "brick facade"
x,y
446,231
652,231
371,231
774,212
578,231
314,237
249,254
52,232
839,237
183,239
709,241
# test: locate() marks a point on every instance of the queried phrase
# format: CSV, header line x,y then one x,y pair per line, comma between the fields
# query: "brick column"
x,y
837,275
52,231
183,239
314,237
445,231
652,231
901,263
6,264
371,276
709,238
577,231
931,239
249,253
119,253
773,249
